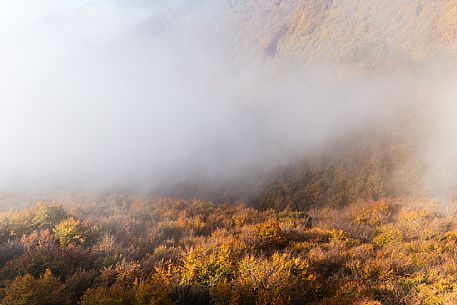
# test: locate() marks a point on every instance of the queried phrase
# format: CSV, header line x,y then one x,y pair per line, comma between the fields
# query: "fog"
x,y
111,94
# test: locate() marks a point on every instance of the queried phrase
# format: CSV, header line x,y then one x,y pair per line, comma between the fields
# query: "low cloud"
x,y
109,94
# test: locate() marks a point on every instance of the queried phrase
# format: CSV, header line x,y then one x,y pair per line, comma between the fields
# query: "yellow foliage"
x,y
70,231
388,235
270,235
273,279
207,268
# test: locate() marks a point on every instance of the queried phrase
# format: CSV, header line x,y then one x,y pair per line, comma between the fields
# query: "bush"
x,y
46,290
270,235
280,279
35,263
42,216
156,290
388,235
113,295
71,232
46,216
207,268
79,282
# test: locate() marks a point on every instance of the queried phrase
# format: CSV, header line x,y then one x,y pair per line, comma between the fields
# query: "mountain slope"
x,y
363,34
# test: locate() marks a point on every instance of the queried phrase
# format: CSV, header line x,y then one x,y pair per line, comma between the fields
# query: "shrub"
x,y
46,290
38,239
35,263
10,250
388,235
280,279
113,295
46,216
71,231
207,268
156,290
270,235
127,272
79,282
42,216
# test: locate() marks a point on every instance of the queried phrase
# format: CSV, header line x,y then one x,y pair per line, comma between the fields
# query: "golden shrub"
x,y
276,280
71,231
270,235
207,267
388,235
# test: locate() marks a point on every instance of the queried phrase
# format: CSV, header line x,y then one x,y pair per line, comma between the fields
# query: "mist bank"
x,y
152,97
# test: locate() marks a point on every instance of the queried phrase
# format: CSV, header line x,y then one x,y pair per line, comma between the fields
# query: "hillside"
x,y
413,40
242,152
399,55
360,34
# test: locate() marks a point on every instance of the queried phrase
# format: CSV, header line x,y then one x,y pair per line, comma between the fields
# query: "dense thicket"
x,y
128,251
361,168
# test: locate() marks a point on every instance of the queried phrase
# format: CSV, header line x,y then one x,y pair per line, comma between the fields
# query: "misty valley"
x,y
228,152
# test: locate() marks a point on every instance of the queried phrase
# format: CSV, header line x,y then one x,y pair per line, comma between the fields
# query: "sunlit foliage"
x,y
130,251
70,231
